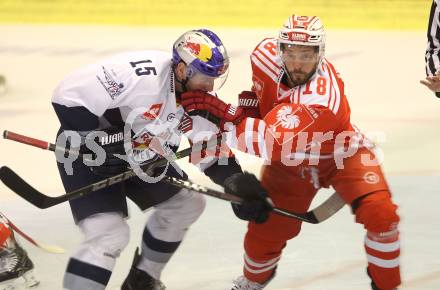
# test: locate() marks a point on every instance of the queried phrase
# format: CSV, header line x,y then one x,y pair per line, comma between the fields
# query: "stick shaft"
x,y
328,208
28,140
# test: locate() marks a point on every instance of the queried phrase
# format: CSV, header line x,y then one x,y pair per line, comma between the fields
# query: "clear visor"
x,y
200,81
299,53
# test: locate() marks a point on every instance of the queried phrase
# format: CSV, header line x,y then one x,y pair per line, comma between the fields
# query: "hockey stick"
x,y
11,179
317,215
328,208
47,248
23,189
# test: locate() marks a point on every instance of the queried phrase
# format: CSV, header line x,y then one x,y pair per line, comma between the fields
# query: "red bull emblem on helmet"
x,y
199,50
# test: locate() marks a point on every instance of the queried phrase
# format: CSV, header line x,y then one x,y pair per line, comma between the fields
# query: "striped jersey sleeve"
x,y
335,97
263,58
432,56
249,136
278,135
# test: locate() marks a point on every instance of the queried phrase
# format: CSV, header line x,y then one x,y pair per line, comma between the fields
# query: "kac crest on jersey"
x,y
287,118
285,121
112,87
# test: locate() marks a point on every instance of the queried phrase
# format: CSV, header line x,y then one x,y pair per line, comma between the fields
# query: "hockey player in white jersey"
x,y
140,90
14,261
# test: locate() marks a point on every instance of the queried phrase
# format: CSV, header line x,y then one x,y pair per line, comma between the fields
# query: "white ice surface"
x,y
381,72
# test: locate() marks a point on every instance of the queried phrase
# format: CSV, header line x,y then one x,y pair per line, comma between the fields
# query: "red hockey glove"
x,y
248,101
212,108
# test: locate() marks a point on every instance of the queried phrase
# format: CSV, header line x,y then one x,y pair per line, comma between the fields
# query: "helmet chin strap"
x,y
182,83
287,74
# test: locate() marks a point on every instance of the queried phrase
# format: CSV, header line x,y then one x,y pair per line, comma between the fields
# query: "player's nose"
x,y
294,65
206,86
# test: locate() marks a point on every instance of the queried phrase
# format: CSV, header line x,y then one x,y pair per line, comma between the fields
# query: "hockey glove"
x,y
200,103
112,144
256,204
248,101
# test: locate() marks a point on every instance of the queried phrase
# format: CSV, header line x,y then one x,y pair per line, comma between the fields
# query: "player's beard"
x,y
300,77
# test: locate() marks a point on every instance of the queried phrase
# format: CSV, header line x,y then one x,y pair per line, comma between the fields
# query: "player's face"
x,y
200,82
195,80
300,61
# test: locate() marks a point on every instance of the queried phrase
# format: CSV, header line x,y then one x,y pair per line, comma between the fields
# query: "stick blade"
x,y
44,247
328,208
51,249
22,188
320,213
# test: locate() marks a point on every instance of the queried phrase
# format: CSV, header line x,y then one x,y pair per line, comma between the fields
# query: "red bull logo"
x,y
201,51
153,112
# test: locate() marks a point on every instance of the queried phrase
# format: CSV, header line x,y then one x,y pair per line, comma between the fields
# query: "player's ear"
x,y
181,71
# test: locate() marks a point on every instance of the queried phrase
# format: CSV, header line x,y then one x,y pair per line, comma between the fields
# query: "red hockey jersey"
x,y
313,118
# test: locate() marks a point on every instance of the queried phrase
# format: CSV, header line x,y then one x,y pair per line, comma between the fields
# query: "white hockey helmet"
x,y
302,30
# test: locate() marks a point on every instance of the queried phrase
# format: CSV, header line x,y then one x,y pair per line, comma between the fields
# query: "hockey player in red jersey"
x,y
297,118
14,261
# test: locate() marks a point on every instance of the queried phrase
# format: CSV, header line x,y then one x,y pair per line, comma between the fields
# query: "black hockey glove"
x,y
256,204
112,143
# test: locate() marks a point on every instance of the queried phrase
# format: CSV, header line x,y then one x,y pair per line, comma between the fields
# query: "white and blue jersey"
x,y
135,88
